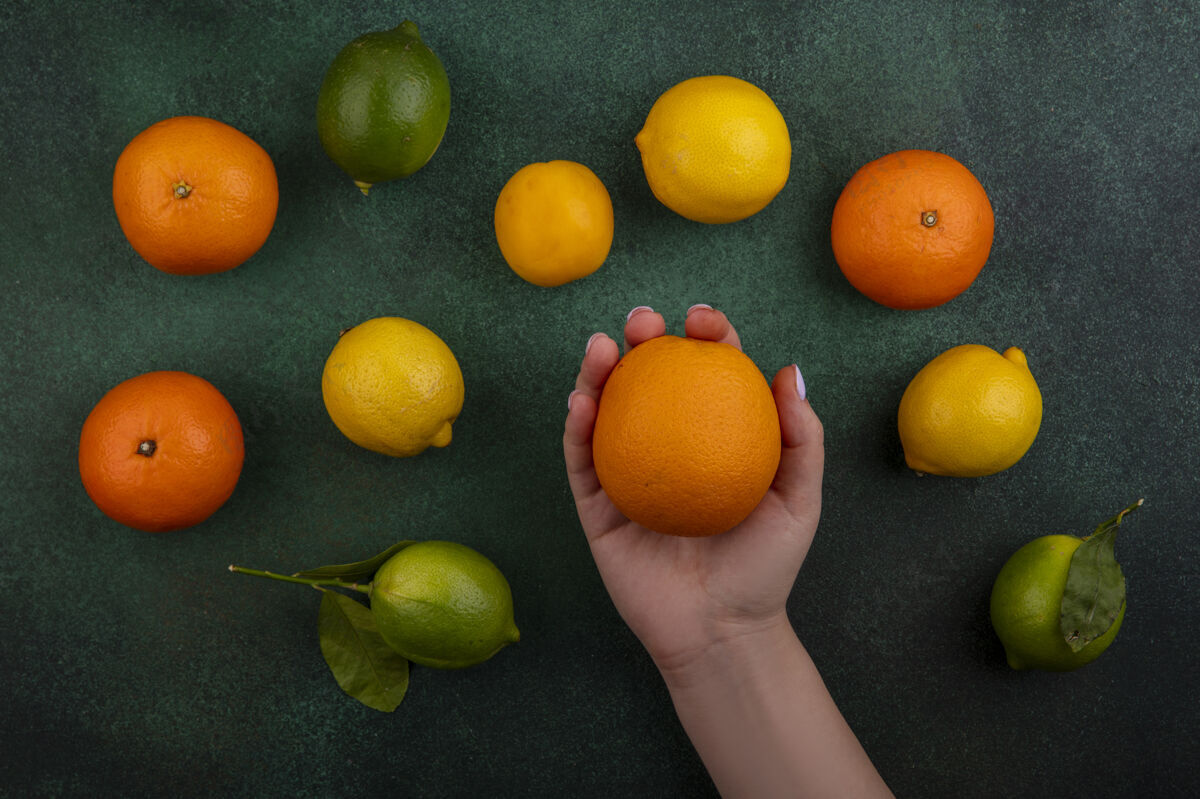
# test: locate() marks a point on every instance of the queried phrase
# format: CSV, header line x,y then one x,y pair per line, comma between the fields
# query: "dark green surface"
x,y
137,665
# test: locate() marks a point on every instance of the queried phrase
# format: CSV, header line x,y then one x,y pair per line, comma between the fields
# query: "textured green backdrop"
x,y
137,665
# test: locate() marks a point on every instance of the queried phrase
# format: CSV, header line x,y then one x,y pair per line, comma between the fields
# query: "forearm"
x,y
758,713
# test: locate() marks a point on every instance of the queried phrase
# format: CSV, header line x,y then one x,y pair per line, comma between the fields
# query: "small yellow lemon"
x,y
715,149
392,386
554,222
1026,604
970,412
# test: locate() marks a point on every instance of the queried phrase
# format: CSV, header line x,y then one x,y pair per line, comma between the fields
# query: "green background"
x,y
137,665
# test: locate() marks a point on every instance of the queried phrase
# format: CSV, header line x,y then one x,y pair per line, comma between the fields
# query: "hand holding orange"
x,y
682,594
687,436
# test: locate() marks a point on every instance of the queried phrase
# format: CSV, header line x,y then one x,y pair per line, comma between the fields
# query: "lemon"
x,y
383,106
443,605
554,222
392,386
970,412
715,149
1026,606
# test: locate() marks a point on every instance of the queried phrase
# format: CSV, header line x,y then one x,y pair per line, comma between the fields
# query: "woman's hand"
x,y
681,596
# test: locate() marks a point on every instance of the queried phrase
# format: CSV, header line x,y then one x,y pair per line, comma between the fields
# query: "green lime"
x,y
1026,607
383,106
443,605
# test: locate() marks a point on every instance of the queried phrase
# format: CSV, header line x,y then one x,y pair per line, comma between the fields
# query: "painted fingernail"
x,y
697,307
570,399
800,387
591,341
629,315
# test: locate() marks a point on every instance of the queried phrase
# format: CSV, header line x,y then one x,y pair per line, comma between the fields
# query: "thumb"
x,y
802,459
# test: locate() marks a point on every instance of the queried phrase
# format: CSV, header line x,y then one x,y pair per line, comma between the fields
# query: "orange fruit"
x,y
687,437
912,229
554,222
161,451
195,196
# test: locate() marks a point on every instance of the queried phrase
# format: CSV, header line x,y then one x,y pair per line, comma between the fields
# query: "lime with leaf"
x,y
1059,600
437,603
443,605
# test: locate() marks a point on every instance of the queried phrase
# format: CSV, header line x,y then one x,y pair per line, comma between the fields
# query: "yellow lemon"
x,y
443,605
554,222
970,412
715,149
1026,604
392,386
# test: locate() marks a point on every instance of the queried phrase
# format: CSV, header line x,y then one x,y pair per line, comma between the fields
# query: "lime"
x,y
443,605
383,106
1026,607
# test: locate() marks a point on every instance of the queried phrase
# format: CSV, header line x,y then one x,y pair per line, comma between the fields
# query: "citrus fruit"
x,y
687,439
161,451
970,412
1026,606
715,149
443,605
383,106
195,196
392,386
554,222
912,229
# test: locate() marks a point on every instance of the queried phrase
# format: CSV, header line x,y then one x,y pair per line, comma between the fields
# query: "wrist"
x,y
732,649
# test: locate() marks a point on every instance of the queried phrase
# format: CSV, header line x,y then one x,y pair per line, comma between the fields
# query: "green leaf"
x,y
363,665
1095,590
360,572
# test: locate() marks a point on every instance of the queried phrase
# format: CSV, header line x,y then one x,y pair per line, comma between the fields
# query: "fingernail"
x,y
570,399
591,341
629,315
698,306
800,387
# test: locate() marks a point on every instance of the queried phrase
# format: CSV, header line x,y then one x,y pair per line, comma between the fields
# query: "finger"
x,y
599,358
577,445
641,324
802,460
597,514
706,323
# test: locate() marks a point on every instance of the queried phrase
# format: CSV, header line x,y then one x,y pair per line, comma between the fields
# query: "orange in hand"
x,y
161,451
687,439
195,196
912,229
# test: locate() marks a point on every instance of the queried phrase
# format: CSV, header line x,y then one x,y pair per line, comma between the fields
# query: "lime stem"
x,y
1116,520
301,580
363,187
